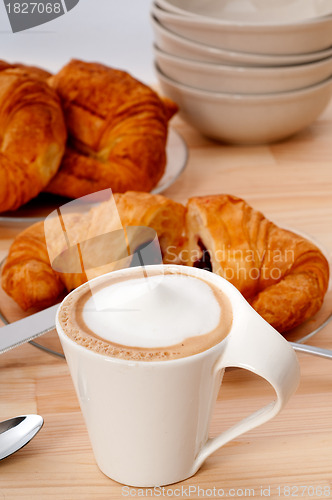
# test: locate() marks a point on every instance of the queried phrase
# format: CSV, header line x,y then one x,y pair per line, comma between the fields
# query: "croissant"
x,y
33,136
165,216
34,71
28,276
281,274
4,65
117,131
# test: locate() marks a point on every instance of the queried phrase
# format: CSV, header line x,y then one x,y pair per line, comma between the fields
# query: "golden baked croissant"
x,y
4,65
117,131
165,216
28,276
33,136
34,71
282,275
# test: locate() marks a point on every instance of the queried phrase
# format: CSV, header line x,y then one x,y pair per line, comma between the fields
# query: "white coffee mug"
x,y
148,421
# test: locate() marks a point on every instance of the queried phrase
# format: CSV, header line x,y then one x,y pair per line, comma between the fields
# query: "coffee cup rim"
x,y
234,296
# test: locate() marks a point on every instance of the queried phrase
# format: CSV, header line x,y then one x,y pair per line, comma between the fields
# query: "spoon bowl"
x,y
17,432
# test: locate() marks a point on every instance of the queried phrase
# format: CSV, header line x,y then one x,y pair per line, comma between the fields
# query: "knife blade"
x,y
27,329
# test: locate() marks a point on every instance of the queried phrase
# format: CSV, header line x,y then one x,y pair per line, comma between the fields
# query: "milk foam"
x,y
152,313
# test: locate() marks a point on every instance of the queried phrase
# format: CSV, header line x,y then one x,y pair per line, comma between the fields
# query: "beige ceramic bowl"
x,y
251,11
241,79
277,39
174,44
248,119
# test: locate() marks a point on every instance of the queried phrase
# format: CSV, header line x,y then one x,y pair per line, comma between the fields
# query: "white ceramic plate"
x,y
248,119
38,208
179,45
286,39
250,11
241,79
177,157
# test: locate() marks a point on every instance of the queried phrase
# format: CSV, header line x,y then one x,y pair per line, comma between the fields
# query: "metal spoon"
x,y
17,432
309,349
299,346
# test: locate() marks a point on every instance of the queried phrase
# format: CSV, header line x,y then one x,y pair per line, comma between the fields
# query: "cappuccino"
x,y
147,318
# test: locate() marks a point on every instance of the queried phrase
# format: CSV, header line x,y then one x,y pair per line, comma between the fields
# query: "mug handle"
x,y
256,346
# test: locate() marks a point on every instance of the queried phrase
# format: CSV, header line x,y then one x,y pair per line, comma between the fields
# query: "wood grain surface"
x,y
291,456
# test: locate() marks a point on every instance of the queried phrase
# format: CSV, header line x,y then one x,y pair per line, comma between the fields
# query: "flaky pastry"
x,y
33,136
283,275
117,131
34,71
28,276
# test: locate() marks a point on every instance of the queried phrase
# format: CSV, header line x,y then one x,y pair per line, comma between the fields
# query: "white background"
x,y
115,32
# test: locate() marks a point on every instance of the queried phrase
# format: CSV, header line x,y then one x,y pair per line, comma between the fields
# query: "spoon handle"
x,y
308,349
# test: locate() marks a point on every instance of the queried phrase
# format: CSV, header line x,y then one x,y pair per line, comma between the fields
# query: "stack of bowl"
x,y
245,71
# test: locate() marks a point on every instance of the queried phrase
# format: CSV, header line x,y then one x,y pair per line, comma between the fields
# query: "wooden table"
x,y
291,456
